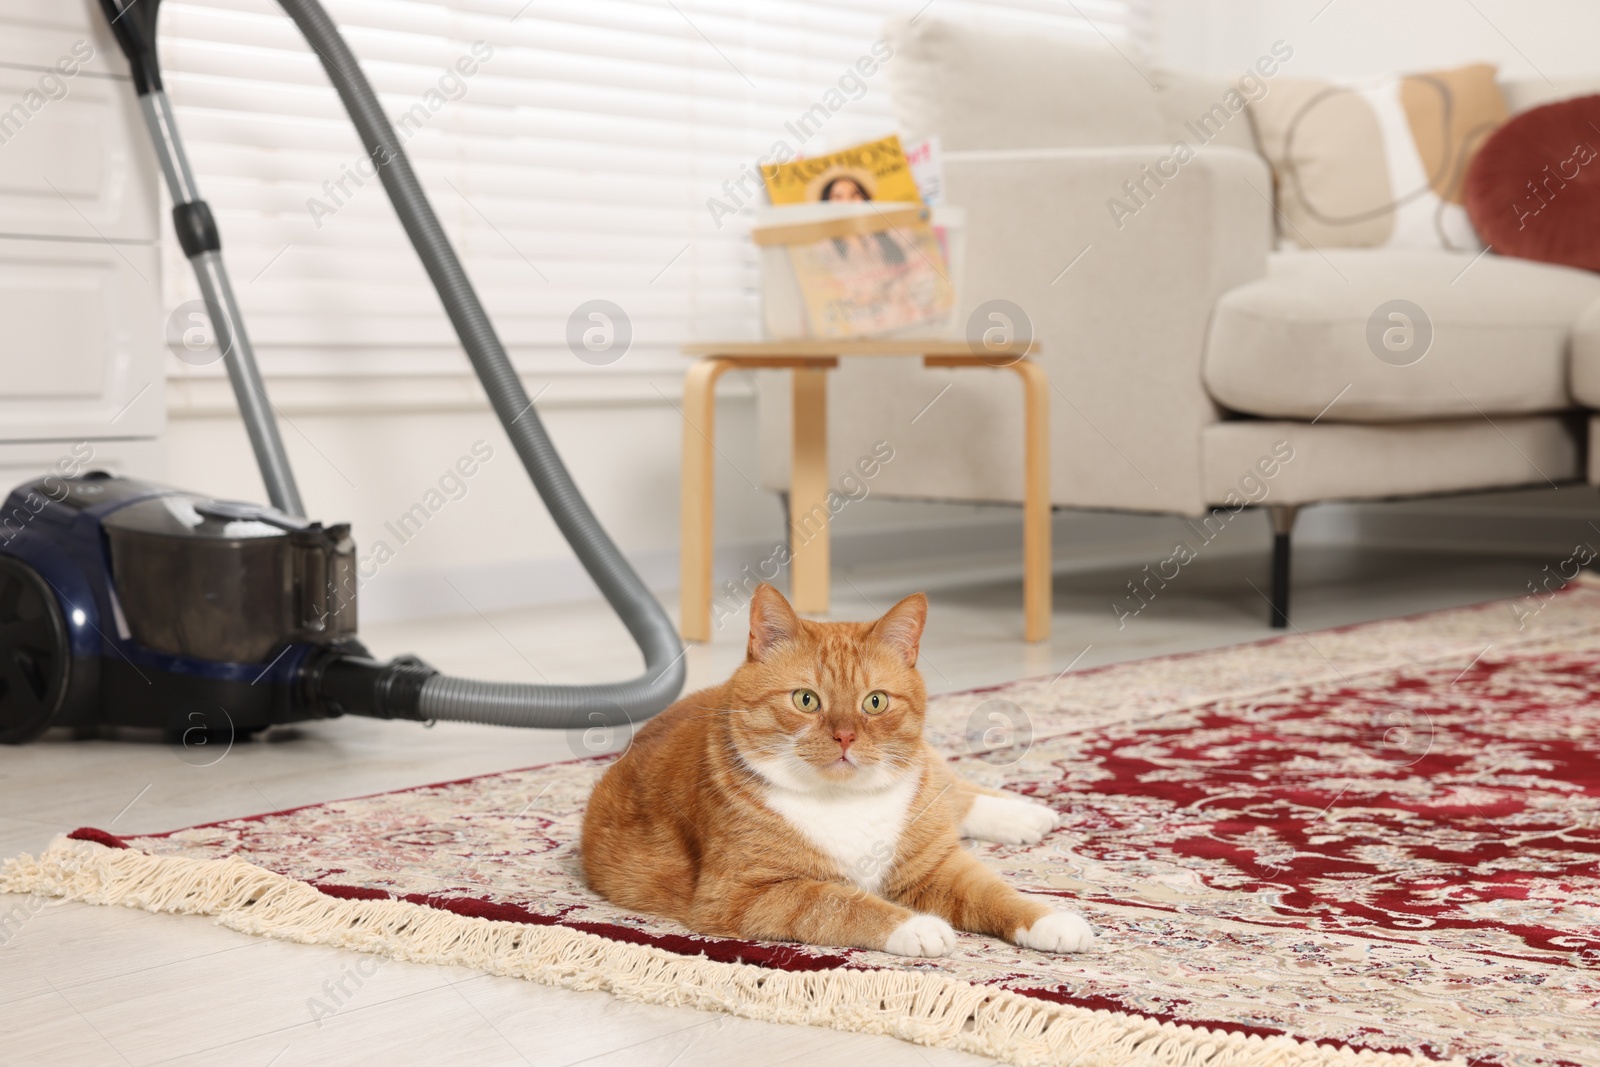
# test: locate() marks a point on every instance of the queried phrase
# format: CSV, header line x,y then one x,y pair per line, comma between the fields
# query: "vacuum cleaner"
x,y
124,603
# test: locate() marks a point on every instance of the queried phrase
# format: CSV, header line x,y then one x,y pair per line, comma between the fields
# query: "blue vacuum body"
x,y
125,603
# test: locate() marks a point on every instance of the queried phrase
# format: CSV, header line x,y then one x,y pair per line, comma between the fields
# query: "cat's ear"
x,y
901,627
772,622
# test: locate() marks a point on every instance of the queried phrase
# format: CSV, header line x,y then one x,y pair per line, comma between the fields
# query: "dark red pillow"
x,y
1533,189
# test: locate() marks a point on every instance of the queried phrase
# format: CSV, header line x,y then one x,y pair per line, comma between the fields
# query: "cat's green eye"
x,y
877,702
806,700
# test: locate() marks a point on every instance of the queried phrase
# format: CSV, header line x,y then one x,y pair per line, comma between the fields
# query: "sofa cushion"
x,y
1380,164
1475,336
977,89
1534,188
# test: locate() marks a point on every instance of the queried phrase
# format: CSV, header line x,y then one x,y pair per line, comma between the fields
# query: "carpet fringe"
x,y
929,1009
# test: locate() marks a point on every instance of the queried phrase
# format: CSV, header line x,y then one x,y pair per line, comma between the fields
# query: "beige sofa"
x,y
1188,355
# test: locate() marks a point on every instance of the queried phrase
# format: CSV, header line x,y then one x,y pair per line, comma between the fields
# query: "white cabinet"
x,y
76,361
36,33
82,352
79,167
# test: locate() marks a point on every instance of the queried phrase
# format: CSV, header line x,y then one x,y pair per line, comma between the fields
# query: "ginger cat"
x,y
798,802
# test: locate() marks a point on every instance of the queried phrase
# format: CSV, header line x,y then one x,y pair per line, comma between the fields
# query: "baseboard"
x,y
982,546
951,551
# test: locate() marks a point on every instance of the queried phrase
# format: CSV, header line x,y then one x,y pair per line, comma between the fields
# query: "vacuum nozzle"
x,y
343,684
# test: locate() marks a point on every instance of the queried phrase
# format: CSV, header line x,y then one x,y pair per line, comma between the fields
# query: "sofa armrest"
x,y
1119,290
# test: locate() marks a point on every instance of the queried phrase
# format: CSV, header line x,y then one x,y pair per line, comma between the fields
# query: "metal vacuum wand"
x,y
134,23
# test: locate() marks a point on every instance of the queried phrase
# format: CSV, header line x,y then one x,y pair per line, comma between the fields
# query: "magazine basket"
x,y
858,268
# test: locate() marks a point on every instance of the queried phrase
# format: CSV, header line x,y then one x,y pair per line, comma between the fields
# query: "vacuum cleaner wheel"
x,y
35,655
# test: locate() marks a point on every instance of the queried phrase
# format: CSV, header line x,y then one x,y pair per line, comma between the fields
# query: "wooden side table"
x,y
808,478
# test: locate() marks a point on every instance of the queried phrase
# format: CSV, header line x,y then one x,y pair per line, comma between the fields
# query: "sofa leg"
x,y
1283,516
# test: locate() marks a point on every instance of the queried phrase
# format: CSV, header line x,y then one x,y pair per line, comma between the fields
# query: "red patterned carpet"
x,y
1384,838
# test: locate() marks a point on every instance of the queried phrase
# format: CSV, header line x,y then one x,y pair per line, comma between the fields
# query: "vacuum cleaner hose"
x,y
506,703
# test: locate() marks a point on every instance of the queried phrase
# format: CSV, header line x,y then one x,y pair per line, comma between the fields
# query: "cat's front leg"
x,y
819,913
1007,819
972,897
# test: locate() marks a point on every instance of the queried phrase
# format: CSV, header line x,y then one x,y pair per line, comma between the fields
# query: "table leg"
x,y
697,500
1036,570
808,492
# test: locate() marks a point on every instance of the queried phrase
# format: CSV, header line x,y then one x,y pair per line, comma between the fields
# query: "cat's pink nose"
x,y
845,738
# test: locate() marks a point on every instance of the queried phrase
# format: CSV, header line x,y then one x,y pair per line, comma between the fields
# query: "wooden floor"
x,y
95,985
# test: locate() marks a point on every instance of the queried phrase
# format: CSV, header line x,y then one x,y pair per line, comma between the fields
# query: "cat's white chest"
x,y
860,832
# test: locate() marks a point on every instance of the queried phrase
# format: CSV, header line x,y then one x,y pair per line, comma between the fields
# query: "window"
x,y
570,150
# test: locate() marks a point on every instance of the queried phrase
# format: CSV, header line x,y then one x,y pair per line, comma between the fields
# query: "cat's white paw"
x,y
922,935
1060,931
1007,820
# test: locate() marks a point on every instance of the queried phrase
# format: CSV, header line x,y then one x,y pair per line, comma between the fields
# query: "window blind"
x,y
569,149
